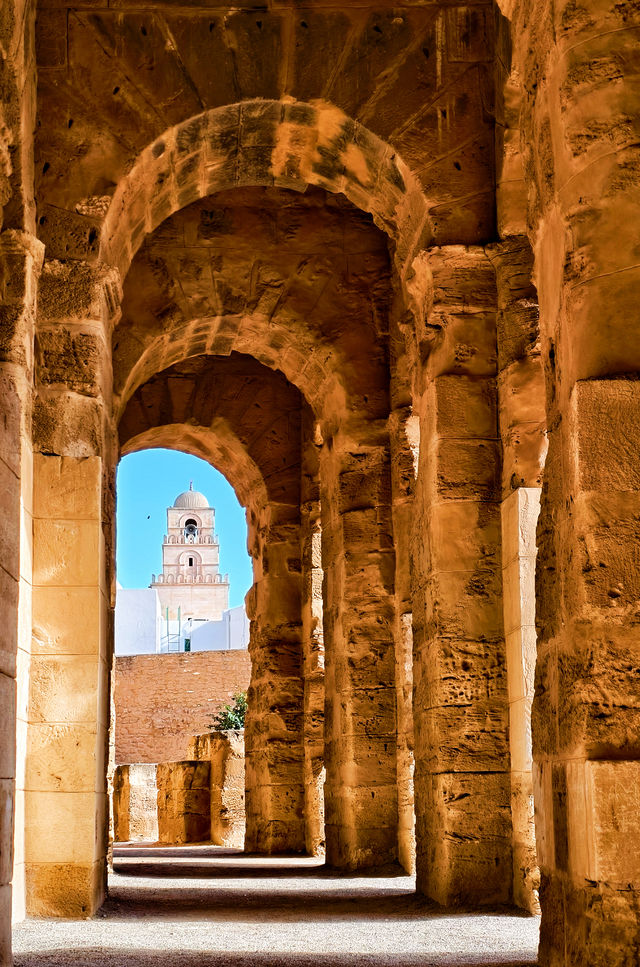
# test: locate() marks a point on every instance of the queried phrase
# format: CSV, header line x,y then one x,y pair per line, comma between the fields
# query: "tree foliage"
x,y
231,716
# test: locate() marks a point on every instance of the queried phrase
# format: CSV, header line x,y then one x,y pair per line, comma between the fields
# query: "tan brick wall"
x,y
162,700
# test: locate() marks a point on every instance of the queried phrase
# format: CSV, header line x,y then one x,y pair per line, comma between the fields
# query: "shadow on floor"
x,y
161,958
208,907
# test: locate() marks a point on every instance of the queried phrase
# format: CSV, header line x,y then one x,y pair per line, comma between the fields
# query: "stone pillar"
x,y
121,802
66,826
579,122
225,753
361,808
184,802
404,435
226,757
143,802
273,728
519,518
522,421
67,742
462,779
20,263
313,647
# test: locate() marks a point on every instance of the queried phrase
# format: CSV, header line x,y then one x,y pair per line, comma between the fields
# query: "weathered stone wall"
x,y
472,141
183,802
135,803
20,263
579,122
121,799
162,700
225,754
462,786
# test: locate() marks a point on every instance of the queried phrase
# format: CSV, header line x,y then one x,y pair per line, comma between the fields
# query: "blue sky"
x,y
148,482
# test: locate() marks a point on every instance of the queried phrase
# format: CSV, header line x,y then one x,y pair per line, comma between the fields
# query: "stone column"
x,y
582,75
20,260
522,421
462,781
68,702
20,264
404,435
313,646
273,730
361,809
67,738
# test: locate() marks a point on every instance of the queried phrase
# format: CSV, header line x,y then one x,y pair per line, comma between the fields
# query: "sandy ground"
x,y
209,907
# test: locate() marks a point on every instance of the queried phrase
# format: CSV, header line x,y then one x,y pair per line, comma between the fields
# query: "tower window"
x,y
190,562
190,530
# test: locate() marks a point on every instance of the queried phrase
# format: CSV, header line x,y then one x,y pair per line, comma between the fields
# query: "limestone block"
x,y
65,688
470,738
7,726
10,426
60,827
199,747
522,392
465,604
521,662
73,890
8,612
520,512
7,797
67,621
543,802
607,712
67,291
121,804
9,520
518,582
464,408
461,534
468,346
467,469
520,734
63,757
613,811
605,571
351,847
607,461
68,423
5,921
67,553
464,842
184,809
143,803
67,488
227,789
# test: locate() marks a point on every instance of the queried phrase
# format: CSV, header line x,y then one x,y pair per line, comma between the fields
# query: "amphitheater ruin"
x,y
379,264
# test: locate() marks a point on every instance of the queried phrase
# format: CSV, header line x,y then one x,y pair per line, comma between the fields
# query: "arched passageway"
x,y
358,202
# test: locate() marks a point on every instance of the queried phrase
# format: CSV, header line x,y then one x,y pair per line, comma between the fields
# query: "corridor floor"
x,y
205,906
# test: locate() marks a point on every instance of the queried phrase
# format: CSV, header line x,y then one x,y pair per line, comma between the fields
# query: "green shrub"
x,y
231,716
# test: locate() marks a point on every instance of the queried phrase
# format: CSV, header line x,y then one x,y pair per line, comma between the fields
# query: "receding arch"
x,y
218,445
286,143
272,346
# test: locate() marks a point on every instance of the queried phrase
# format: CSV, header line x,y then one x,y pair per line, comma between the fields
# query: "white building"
x,y
190,584
138,621
186,606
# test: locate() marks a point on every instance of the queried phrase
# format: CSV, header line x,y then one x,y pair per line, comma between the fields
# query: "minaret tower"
x,y
190,580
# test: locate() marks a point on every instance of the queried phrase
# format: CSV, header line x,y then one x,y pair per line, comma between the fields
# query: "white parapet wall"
x,y
137,621
229,634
